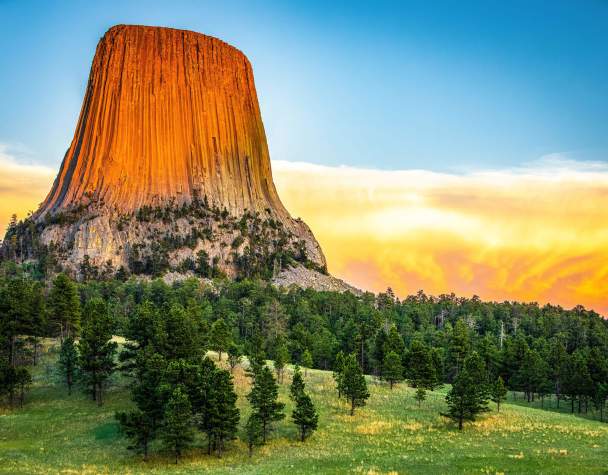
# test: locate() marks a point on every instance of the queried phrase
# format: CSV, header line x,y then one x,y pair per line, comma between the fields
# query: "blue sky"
x,y
391,85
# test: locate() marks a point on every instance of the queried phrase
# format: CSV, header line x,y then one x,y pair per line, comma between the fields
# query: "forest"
x,y
480,349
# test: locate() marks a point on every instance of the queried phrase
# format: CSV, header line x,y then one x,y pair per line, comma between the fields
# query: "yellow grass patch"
x,y
373,428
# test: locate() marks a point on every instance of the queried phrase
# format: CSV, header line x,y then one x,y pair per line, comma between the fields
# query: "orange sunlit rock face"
x,y
167,113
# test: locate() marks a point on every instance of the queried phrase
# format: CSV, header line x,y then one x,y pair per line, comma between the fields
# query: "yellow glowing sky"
x,y
535,234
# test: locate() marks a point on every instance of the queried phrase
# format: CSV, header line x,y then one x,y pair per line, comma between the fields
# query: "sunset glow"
x,y
534,234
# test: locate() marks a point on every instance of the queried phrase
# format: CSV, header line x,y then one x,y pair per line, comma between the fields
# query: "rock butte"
x,y
168,115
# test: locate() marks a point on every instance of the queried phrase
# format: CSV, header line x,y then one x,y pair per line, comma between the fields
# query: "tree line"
x,y
536,351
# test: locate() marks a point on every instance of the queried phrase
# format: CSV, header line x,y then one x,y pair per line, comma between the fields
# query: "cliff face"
x,y
167,113
169,148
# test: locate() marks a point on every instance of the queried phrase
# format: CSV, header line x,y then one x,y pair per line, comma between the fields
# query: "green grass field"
x,y
55,433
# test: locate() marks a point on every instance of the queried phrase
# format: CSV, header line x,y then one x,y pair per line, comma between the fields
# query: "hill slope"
x,y
56,434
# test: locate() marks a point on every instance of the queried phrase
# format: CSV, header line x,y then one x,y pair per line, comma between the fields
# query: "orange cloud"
x,y
22,187
533,234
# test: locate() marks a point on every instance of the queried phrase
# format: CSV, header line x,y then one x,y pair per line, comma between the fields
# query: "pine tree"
x,y
394,342
136,426
354,386
68,361
460,345
392,369
305,415
141,425
468,396
182,333
378,350
421,369
281,357
498,392
96,360
297,384
177,432
420,395
264,400
234,356
220,337
224,417
64,306
306,361
254,432
145,329
338,372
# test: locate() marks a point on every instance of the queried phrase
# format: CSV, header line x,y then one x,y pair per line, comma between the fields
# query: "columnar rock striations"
x,y
170,119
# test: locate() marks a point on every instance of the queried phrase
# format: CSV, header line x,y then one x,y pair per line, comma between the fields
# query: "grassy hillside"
x,y
55,433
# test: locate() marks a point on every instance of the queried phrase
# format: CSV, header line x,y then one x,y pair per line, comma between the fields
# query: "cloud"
x,y
22,186
534,233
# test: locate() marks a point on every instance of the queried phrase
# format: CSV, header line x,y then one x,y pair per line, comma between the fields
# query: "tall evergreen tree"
x,y
96,349
64,306
220,337
224,417
354,386
392,369
421,371
234,356
468,396
177,432
253,432
306,361
339,372
498,392
141,425
264,400
145,328
394,342
460,345
305,416
297,384
183,337
280,359
68,362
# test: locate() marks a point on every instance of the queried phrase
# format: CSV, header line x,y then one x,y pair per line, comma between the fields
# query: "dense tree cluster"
x,y
482,348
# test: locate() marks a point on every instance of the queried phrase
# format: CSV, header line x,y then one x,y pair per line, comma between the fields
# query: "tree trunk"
x,y
264,431
460,423
352,407
498,406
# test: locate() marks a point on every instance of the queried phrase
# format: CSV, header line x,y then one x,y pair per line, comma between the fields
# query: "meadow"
x,y
59,434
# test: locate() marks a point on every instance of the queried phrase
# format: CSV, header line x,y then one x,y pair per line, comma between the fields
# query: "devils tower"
x,y
169,168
